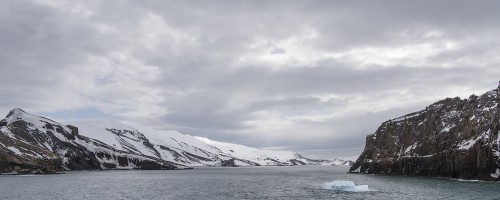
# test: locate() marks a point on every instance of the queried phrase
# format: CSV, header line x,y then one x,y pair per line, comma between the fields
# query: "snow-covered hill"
x,y
181,148
34,143
347,161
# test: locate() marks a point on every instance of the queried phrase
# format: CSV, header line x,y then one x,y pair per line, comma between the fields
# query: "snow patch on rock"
x,y
496,174
15,150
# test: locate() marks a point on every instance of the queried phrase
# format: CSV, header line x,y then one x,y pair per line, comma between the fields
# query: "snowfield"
x,y
180,148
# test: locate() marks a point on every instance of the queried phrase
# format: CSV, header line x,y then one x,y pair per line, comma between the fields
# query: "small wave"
x,y
466,180
347,186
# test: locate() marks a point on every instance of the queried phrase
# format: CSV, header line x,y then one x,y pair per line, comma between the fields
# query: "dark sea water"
x,y
302,182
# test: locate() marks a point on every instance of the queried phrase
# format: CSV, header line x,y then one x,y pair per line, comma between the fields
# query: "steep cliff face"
x,y
451,138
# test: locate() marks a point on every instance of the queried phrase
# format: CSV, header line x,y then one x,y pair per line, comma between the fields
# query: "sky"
x,y
314,77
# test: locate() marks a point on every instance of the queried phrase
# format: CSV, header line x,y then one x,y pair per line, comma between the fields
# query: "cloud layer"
x,y
310,76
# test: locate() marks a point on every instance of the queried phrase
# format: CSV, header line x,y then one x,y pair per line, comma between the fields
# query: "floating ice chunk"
x,y
348,186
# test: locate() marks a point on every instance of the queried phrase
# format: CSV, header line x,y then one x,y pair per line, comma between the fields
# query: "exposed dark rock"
x,y
11,162
195,157
109,165
228,163
74,130
297,162
451,138
232,163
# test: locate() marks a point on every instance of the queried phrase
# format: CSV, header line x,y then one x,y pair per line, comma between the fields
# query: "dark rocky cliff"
x,y
456,138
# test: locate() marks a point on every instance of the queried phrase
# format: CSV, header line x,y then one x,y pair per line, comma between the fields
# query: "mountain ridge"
x,y
36,144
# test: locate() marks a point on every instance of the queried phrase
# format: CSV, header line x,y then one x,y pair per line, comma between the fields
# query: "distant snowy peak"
x,y
347,161
348,158
18,114
248,152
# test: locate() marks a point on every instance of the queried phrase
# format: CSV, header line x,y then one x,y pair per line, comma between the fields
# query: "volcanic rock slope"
x,y
34,144
451,138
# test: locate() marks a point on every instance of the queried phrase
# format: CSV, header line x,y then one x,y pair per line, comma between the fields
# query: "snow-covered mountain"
x,y
32,143
347,161
181,148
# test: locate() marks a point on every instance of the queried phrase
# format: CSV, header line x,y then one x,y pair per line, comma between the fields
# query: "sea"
x,y
294,182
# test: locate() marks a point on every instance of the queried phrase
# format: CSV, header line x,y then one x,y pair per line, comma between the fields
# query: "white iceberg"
x,y
348,186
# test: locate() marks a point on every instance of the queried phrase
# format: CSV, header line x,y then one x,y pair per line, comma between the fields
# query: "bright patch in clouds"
x,y
414,55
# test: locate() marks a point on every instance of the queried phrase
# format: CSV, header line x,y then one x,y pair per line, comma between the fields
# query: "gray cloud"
x,y
310,76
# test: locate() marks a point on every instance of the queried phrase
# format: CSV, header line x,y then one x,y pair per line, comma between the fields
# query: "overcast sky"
x,y
314,77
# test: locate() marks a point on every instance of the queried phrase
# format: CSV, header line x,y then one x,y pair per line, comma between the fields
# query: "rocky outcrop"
x,y
456,138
